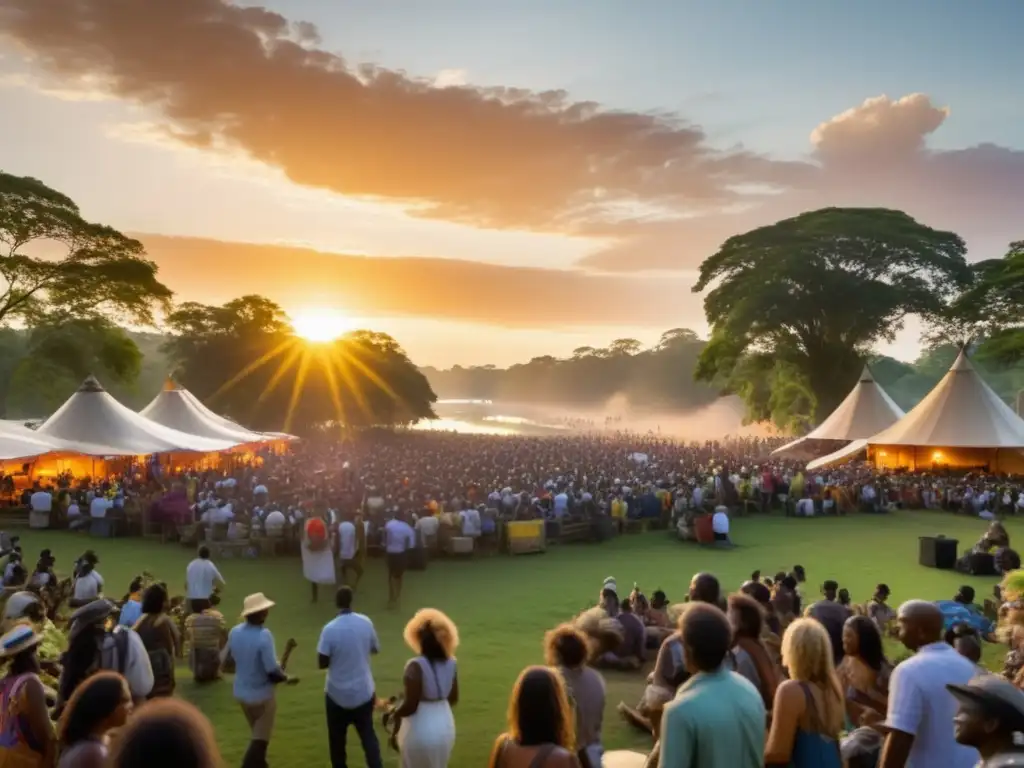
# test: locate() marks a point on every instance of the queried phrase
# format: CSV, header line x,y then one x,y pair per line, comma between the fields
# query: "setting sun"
x,y
321,325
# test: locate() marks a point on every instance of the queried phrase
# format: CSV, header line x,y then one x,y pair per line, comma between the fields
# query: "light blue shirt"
x,y
717,720
130,613
349,641
252,648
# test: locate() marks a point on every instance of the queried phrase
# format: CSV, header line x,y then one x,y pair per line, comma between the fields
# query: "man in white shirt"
x,y
201,576
561,504
346,644
720,526
98,507
399,538
348,548
40,505
921,711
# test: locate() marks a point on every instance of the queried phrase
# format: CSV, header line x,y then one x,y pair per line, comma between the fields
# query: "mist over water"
x,y
723,418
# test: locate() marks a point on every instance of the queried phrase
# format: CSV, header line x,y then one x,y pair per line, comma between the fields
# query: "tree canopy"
x,y
67,284
795,306
244,360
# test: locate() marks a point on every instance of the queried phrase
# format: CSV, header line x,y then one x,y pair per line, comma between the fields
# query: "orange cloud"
x,y
214,271
247,78
222,76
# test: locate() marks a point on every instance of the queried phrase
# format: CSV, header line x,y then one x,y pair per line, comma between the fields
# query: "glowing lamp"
x,y
882,453
937,455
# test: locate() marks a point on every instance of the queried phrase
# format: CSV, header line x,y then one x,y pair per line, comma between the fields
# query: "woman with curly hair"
x,y
540,724
567,650
423,723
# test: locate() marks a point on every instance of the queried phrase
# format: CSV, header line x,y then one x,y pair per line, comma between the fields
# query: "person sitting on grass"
x,y
749,657
131,611
26,736
206,635
631,653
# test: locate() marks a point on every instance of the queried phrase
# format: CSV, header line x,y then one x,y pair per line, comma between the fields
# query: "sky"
x,y
489,182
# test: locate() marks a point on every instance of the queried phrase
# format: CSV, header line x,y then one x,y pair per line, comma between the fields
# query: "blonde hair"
x,y
807,654
431,622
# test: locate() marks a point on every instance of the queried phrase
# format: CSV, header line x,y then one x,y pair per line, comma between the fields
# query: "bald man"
x,y
921,709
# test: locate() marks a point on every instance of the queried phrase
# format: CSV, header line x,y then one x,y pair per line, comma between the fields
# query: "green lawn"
x,y
503,606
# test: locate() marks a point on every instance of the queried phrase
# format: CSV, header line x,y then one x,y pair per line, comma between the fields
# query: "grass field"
x,y
503,606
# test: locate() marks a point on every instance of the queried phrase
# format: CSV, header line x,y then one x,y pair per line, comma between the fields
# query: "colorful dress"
x,y
18,746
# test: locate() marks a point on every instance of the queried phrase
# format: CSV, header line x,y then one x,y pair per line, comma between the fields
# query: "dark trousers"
x,y
338,721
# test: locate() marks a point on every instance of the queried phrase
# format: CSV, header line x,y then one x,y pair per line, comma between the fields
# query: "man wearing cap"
x,y
990,714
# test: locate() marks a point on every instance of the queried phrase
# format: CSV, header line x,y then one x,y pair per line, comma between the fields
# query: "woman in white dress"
x,y
425,728
317,557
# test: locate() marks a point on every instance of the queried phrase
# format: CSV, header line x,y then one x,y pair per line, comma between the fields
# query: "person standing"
x,y
201,577
257,672
920,708
350,554
317,558
40,505
399,538
346,644
424,728
717,719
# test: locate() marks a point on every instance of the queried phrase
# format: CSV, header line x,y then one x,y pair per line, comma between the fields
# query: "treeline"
x,y
661,377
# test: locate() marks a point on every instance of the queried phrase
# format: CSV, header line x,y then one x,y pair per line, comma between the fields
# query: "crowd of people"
x,y
748,679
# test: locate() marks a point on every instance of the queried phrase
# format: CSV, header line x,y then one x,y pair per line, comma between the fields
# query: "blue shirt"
x,y
349,641
130,613
252,648
717,720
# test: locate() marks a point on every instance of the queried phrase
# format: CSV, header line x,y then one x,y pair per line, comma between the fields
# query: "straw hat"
x,y
255,604
19,640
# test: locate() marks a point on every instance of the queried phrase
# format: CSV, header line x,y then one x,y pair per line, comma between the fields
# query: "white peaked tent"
x,y
19,442
101,426
866,411
179,409
962,422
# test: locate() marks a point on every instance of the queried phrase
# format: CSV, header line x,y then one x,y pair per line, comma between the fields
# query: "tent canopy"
x,y
91,421
179,409
868,409
962,411
20,442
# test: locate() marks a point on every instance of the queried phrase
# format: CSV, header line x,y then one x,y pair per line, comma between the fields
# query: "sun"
x,y
321,325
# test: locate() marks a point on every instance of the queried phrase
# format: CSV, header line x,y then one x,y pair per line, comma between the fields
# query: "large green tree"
x,y
993,308
245,360
795,306
64,283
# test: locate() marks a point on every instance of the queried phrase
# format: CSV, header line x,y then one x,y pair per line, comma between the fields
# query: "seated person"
x,y
720,525
631,653
686,527
805,507
656,624
668,674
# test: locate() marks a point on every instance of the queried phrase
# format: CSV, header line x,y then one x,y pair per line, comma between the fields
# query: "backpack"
x,y
114,654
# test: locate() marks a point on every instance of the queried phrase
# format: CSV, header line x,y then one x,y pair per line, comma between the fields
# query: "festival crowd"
x,y
750,679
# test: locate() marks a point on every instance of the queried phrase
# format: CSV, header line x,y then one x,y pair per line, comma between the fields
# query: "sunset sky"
x,y
490,181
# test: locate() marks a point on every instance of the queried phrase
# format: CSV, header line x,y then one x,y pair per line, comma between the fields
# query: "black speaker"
x,y
937,552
